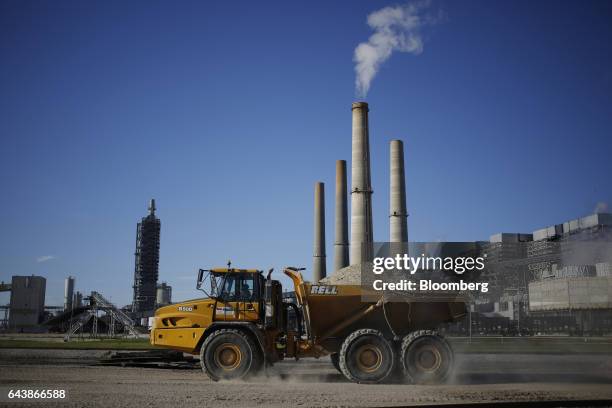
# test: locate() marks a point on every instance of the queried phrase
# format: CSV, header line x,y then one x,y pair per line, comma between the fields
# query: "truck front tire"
x,y
230,354
366,357
427,357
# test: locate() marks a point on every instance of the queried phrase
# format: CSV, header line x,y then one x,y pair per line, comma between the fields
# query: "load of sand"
x,y
350,275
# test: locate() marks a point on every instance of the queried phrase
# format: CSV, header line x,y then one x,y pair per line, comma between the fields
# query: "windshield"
x,y
216,284
237,287
211,284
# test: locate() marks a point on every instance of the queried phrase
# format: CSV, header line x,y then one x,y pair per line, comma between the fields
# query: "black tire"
x,y
230,354
366,357
335,359
427,357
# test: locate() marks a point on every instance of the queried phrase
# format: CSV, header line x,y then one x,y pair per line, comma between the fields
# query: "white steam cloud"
x,y
395,28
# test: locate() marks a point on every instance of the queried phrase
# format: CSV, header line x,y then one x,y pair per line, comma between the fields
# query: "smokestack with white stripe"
x,y
341,245
318,261
398,225
361,190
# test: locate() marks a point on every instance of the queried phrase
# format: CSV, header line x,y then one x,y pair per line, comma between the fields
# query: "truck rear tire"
x,y
366,357
427,358
230,354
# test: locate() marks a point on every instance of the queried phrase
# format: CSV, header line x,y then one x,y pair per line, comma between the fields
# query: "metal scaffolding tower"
x,y
146,262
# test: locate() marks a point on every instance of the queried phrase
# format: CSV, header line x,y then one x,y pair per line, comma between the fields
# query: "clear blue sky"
x,y
228,113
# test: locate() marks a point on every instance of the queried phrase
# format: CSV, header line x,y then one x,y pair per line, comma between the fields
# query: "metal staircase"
x,y
99,302
78,323
116,313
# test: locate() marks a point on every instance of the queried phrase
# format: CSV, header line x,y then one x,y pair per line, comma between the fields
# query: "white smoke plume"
x,y
396,28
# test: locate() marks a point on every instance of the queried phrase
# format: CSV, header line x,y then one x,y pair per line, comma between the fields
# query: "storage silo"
x,y
68,293
164,294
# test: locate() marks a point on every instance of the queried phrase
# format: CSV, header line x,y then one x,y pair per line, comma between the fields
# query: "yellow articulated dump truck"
x,y
243,326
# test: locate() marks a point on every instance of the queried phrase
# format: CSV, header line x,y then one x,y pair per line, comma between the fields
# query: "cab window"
x,y
238,288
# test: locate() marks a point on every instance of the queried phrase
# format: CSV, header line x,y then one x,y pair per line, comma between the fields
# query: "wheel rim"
x,y
228,356
369,358
428,358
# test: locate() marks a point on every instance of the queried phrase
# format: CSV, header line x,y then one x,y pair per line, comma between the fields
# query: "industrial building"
x,y
27,305
555,280
569,287
146,270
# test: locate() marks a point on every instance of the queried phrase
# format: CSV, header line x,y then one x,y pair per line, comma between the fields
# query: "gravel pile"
x,y
351,275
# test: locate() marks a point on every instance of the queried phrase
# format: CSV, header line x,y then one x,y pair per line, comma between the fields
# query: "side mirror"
x,y
200,275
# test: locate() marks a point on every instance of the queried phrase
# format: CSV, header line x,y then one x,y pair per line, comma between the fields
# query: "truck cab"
x,y
241,307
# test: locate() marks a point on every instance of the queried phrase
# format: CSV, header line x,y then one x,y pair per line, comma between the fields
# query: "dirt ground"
x,y
478,378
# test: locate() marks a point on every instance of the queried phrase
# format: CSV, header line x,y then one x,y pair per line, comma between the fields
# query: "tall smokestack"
x,y
361,188
341,248
398,225
318,262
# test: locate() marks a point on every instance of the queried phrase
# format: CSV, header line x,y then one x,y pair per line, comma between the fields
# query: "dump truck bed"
x,y
331,306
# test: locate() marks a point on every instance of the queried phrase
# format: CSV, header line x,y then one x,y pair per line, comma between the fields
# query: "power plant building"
x,y
555,280
146,262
